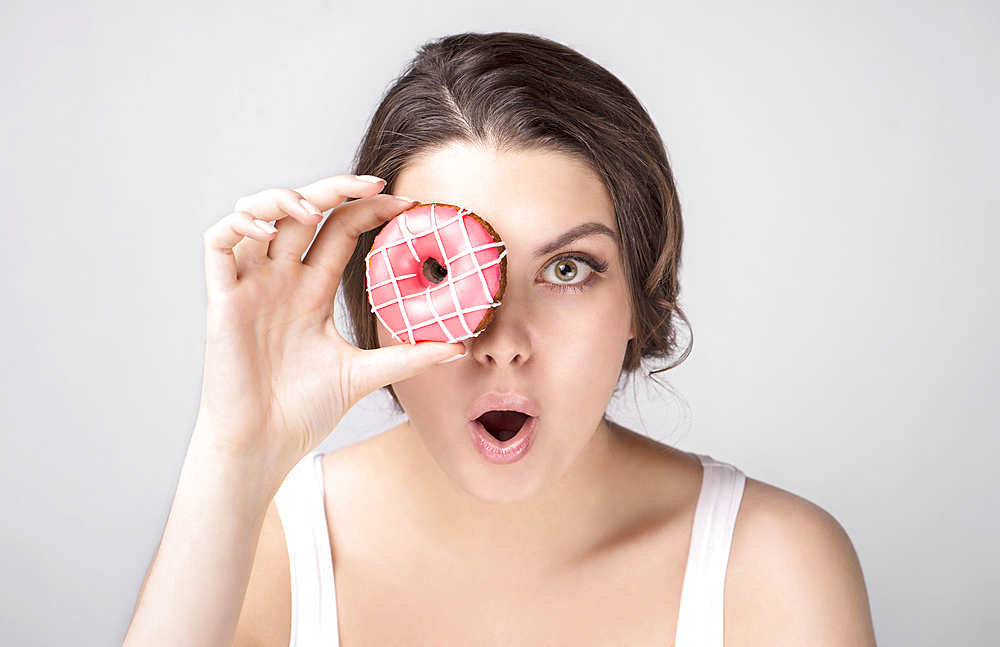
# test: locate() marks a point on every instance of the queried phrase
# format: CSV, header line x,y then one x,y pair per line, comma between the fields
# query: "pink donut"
x,y
435,272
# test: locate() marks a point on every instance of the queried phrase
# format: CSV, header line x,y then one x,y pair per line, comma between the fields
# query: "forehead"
x,y
536,192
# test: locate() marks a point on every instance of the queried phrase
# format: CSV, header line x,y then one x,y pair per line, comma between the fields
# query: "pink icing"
x,y
410,306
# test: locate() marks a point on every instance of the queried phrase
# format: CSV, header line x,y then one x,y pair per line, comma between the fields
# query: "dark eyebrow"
x,y
580,231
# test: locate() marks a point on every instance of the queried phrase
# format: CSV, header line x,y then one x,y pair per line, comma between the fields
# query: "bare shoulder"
x,y
266,618
794,577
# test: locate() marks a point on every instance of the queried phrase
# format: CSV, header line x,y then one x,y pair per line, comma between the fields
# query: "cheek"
x,y
582,347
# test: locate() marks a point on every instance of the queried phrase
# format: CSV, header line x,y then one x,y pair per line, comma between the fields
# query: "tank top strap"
x,y
310,559
701,615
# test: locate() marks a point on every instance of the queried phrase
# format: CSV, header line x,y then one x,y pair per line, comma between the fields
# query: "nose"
x,y
506,340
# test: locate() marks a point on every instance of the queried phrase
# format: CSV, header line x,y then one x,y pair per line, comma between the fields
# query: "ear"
x,y
631,331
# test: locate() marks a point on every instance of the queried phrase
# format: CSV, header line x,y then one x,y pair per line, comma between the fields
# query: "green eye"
x,y
566,270
569,272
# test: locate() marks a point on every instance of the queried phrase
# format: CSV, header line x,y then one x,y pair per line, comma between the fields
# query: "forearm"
x,y
195,587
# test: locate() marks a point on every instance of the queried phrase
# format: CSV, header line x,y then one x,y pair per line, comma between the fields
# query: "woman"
x,y
594,534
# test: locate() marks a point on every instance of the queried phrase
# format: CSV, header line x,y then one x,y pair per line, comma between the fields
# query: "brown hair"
x,y
517,91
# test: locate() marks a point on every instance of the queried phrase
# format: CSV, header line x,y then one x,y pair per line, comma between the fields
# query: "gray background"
x,y
838,169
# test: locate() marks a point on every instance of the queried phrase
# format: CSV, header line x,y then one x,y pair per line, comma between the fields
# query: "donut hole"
x,y
434,271
503,425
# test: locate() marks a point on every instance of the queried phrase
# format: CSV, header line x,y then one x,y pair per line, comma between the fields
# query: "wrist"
x,y
253,476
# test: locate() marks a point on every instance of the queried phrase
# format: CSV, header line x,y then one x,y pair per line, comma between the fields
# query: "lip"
x,y
503,402
509,451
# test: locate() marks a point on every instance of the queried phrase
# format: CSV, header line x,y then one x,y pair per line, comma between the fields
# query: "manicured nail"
x,y
453,358
369,178
265,226
310,207
405,199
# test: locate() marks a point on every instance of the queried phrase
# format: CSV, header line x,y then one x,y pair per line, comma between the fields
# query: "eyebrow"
x,y
576,233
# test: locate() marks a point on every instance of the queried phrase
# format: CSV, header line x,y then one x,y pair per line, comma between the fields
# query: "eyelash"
x,y
597,268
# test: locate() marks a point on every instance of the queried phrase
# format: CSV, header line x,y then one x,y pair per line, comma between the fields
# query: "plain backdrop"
x,y
838,168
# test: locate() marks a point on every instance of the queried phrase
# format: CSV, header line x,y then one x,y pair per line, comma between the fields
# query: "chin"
x,y
522,482
507,488
519,482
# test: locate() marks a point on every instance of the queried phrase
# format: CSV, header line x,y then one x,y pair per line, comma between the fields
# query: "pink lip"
x,y
507,452
503,402
491,449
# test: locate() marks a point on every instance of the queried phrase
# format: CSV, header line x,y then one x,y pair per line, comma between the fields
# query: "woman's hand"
x,y
278,376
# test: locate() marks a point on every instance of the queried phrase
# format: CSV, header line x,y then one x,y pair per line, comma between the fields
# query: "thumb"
x,y
396,363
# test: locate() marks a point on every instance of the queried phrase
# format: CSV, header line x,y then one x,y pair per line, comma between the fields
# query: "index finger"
x,y
275,204
333,191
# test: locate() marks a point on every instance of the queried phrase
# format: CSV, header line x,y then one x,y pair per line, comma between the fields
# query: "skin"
x,y
585,540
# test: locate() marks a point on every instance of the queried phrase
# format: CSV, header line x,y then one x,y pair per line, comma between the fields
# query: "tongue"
x,y
503,425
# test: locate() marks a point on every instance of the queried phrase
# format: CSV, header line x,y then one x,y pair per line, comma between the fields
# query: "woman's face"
x,y
555,346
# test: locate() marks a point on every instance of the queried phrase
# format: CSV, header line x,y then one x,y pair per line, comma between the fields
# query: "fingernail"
x,y
452,359
310,207
369,178
405,199
265,226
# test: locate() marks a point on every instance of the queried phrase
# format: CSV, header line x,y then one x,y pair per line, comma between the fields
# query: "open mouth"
x,y
503,425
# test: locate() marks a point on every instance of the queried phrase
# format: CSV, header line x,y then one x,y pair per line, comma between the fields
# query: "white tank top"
x,y
310,558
